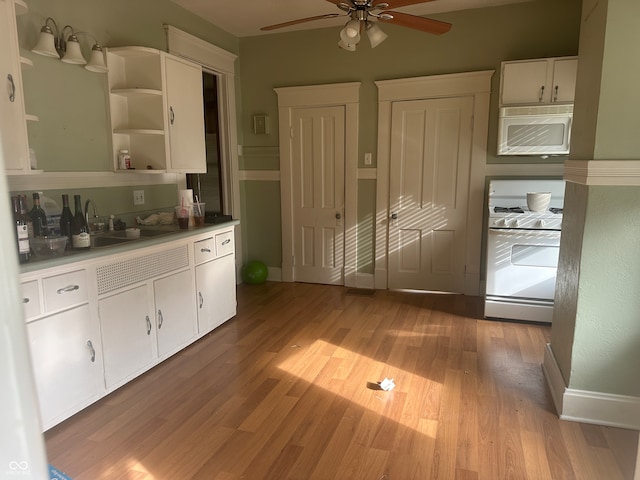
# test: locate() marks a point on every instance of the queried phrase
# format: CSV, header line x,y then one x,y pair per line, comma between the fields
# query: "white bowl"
x,y
538,201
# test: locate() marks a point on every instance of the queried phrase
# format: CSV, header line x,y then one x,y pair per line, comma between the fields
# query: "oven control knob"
x,y
540,223
501,222
514,223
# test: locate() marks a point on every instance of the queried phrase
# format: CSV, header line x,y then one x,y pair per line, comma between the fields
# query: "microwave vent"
x,y
536,110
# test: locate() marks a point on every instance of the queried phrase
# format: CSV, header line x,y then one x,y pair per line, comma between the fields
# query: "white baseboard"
x,y
575,405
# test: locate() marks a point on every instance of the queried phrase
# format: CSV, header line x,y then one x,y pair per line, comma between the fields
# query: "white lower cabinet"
x,y
125,322
63,354
96,324
216,281
175,311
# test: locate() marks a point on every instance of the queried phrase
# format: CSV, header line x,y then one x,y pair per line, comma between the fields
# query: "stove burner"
x,y
508,210
555,210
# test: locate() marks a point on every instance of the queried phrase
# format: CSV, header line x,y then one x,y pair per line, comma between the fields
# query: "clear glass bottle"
x,y
22,199
38,217
124,160
24,249
80,236
66,218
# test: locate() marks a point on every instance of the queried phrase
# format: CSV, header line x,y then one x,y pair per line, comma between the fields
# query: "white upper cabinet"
x,y
538,82
156,110
14,144
186,116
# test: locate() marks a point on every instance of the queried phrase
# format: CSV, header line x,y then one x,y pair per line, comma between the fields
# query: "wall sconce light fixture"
x,y
53,43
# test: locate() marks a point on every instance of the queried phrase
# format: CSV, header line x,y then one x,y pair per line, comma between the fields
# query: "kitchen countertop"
x,y
160,235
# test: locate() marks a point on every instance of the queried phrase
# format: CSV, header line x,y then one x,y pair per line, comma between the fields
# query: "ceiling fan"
x,y
361,14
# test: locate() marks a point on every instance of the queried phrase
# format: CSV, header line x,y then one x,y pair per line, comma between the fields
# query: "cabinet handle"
x,y
67,289
148,325
160,319
172,116
92,350
201,299
228,240
555,94
12,94
26,300
541,94
205,250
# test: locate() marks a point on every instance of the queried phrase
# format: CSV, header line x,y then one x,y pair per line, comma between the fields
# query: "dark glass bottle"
x,y
22,231
80,237
38,217
66,218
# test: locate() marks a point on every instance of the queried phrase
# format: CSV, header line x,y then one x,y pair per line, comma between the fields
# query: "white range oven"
x,y
522,250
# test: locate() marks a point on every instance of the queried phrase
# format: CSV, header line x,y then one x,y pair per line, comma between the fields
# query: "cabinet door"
x,y
175,311
63,353
14,147
564,80
126,334
216,284
186,116
525,82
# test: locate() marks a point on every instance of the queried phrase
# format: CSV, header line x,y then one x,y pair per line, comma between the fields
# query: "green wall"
x,y
479,40
73,131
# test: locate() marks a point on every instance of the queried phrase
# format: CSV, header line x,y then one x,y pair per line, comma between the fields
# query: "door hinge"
x,y
290,132
293,260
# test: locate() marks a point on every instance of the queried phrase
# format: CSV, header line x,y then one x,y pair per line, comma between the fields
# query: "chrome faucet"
x,y
86,210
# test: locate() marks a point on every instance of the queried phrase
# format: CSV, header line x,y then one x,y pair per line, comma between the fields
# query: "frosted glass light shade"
x,y
96,61
347,37
46,43
375,34
73,54
347,46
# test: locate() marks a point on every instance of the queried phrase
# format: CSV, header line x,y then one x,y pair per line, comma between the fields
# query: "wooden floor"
x,y
284,391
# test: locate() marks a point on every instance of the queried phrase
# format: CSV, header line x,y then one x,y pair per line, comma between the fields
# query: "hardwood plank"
x,y
280,392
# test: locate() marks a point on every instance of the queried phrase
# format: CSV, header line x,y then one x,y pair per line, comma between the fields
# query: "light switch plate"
x,y
138,197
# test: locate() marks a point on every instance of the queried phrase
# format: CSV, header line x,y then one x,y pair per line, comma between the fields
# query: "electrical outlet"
x,y
138,197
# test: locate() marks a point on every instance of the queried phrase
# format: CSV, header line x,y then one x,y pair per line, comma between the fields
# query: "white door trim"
x,y
221,63
346,94
476,84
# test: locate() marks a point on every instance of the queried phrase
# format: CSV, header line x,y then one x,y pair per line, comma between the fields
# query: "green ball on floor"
x,y
254,272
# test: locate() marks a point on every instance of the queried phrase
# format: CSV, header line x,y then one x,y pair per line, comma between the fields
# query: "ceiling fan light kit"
x,y
359,13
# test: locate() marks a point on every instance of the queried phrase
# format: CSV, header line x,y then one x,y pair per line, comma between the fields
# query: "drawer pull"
x,y
70,288
92,350
201,299
26,300
205,250
228,240
148,325
160,319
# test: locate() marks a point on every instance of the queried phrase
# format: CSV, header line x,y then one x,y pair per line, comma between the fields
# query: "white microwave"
x,y
535,130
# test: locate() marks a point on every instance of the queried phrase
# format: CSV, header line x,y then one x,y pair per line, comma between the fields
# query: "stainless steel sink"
x,y
98,241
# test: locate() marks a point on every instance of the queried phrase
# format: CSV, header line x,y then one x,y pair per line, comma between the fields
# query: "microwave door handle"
x,y
541,94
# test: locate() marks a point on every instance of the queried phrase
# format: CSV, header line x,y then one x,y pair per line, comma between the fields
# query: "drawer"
x,y
224,244
204,250
31,299
65,290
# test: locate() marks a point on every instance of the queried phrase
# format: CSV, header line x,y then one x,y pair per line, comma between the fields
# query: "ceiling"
x,y
243,18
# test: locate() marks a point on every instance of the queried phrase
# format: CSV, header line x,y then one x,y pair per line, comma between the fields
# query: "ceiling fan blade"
x,y
398,3
428,25
300,20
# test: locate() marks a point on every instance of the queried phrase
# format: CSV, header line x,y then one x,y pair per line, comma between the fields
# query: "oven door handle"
x,y
524,231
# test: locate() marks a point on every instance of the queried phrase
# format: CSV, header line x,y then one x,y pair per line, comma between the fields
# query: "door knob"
x,y
394,216
338,216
